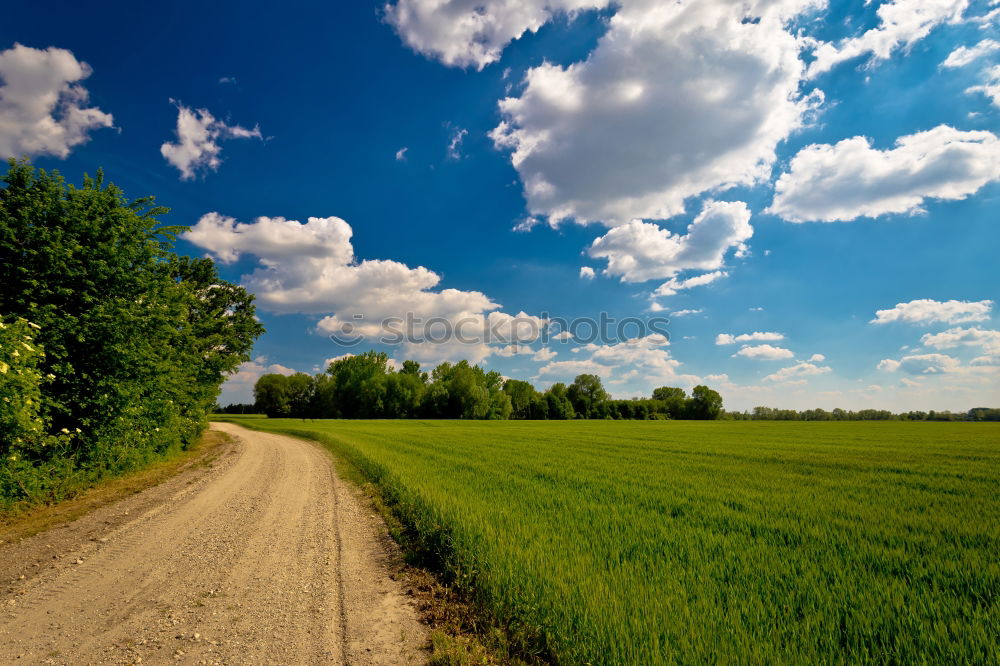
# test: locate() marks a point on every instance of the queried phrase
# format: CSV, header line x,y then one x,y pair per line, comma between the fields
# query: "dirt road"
x,y
265,558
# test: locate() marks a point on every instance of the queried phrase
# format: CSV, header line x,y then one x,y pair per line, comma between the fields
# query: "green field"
x,y
646,542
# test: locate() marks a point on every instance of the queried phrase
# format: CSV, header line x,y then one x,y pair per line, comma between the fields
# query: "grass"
x,y
28,520
702,542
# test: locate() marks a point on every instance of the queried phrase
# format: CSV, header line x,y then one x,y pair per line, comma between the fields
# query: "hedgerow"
x,y
129,342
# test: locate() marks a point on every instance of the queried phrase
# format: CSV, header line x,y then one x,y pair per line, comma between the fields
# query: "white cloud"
x,y
527,224
643,363
544,354
850,179
963,55
817,358
311,268
586,272
685,313
987,339
756,336
677,99
473,33
455,143
43,106
901,24
991,85
238,387
765,353
640,251
673,285
888,364
928,311
922,364
198,136
508,351
401,154
797,371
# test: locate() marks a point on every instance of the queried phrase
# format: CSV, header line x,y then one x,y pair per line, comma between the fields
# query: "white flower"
x,y
65,431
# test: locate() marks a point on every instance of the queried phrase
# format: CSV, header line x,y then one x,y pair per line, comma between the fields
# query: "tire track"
x,y
266,559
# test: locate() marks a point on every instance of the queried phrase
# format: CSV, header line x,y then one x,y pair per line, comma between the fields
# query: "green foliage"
x,y
137,340
773,414
704,403
703,542
588,397
365,386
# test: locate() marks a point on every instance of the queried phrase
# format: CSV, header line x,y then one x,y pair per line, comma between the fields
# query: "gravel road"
x,y
263,558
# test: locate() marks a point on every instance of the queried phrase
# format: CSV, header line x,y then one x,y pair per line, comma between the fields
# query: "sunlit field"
x,y
648,542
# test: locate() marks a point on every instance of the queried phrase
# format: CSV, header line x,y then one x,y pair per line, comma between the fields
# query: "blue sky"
x,y
782,170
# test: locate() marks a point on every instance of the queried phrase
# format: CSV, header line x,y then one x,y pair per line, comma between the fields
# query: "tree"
x,y
558,403
300,387
673,401
271,396
359,389
587,396
404,392
523,399
704,404
137,339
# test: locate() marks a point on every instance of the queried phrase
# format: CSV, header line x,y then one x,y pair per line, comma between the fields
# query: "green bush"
x,y
136,339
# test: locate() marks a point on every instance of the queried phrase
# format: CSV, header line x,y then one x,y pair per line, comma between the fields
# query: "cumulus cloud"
x,y
198,137
764,353
817,358
929,311
43,106
991,85
902,23
922,364
586,272
987,339
640,251
850,179
797,372
676,99
238,387
544,354
642,362
311,268
685,313
756,336
964,55
473,33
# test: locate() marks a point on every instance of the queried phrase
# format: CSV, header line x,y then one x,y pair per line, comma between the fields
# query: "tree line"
x,y
112,347
773,414
366,387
